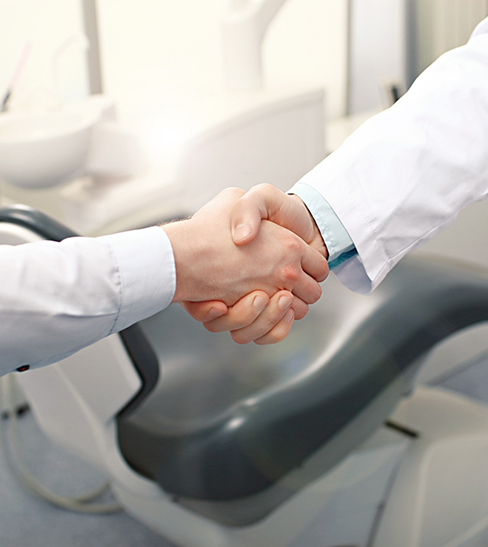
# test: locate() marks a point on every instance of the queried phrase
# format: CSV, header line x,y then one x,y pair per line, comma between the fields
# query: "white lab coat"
x,y
406,173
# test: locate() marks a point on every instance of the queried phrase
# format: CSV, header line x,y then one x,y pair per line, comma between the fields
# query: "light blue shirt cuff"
x,y
336,238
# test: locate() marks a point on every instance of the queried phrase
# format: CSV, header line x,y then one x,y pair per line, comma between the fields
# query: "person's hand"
x,y
254,318
245,322
265,202
209,266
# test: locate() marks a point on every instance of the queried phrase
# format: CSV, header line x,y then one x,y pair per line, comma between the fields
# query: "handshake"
x,y
249,263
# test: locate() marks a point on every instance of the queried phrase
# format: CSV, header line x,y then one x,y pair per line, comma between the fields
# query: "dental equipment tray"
x,y
218,423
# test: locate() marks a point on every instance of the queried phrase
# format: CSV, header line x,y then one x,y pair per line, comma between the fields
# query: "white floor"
x,y
26,521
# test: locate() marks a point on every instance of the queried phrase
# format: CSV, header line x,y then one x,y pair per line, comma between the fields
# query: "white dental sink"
x,y
44,149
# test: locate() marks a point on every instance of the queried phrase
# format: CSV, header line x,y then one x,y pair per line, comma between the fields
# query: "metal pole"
x,y
90,21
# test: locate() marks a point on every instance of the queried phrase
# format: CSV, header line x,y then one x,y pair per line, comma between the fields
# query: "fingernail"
x,y
285,302
215,312
241,232
260,302
289,315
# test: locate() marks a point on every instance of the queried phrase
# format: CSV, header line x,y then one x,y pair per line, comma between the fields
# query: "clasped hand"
x,y
249,263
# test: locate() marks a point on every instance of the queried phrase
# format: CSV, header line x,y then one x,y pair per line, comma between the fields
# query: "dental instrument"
x,y
19,69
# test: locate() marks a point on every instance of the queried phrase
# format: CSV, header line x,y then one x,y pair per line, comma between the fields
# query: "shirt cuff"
x,y
147,273
336,238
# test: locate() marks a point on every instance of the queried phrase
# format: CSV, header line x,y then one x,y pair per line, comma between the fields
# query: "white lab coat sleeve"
x,y
406,173
56,298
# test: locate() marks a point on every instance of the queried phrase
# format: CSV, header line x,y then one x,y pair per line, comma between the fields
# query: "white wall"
x,y
156,49
377,52
162,64
444,25
47,24
168,53
308,42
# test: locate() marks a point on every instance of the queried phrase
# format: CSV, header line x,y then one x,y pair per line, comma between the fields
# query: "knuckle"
x,y
263,187
317,293
291,274
232,191
312,293
261,191
301,310
211,326
239,338
270,338
324,271
293,244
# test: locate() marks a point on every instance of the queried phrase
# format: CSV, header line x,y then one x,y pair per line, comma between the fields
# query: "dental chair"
x,y
327,439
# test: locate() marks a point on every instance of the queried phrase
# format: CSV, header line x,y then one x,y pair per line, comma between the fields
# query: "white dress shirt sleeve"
x,y
406,173
56,298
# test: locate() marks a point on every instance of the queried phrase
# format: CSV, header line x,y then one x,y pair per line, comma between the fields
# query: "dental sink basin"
x,y
44,149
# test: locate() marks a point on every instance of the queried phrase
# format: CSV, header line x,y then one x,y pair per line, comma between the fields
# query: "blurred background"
x,y
117,114
164,72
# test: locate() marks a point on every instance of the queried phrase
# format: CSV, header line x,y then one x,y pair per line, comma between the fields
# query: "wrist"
x,y
314,239
180,239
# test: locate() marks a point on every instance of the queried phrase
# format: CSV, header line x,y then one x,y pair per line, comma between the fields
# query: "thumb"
x,y
261,202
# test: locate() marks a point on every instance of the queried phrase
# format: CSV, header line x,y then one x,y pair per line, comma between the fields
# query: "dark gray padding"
x,y
220,426
228,422
37,222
